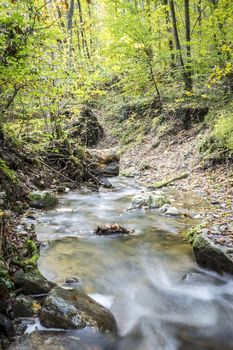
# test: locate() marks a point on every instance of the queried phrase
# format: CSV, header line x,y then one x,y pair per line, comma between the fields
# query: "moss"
x,y
5,279
193,233
32,251
10,174
42,199
165,183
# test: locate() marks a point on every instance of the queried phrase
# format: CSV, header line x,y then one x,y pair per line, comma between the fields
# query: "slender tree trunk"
x,y
90,24
199,11
186,79
188,40
170,41
82,31
70,31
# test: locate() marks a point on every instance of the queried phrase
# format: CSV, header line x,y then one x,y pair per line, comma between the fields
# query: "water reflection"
x,y
139,276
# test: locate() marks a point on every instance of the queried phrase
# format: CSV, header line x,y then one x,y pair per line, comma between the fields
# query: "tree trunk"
x,y
188,39
70,31
170,41
186,79
83,36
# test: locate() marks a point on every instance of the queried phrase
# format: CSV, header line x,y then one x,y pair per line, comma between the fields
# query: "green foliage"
x,y
5,277
31,251
10,174
224,130
43,199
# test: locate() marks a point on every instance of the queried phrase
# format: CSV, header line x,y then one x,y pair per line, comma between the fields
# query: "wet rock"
x,y
104,182
112,229
165,208
32,282
23,306
63,341
73,309
20,327
210,254
72,280
172,211
42,200
150,200
6,326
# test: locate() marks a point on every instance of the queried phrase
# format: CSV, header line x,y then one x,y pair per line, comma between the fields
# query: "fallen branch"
x,y
165,183
59,173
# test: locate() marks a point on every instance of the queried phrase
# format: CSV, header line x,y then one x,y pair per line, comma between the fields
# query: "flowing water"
x,y
138,277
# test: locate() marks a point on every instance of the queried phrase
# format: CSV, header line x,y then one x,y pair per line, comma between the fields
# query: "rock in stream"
x,y
73,309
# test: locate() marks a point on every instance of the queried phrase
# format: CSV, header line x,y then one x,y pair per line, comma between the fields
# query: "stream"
x,y
139,277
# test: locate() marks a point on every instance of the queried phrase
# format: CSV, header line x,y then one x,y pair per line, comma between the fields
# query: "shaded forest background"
x,y
146,64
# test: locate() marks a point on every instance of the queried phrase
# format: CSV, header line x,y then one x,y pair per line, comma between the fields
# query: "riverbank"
x,y
157,162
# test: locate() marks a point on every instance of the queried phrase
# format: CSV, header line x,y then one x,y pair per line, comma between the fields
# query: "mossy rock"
x,y
42,200
208,253
30,254
149,200
32,282
73,309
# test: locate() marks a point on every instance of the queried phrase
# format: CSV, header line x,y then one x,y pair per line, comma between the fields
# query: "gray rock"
x,y
150,200
1,202
73,309
106,161
210,254
165,208
32,282
173,211
23,306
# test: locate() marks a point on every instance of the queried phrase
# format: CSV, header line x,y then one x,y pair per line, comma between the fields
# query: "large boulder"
x,y
73,309
211,252
42,200
105,161
149,200
32,282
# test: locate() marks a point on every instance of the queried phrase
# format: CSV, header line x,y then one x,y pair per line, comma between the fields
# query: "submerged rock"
x,y
111,229
42,200
32,282
149,200
210,254
73,309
